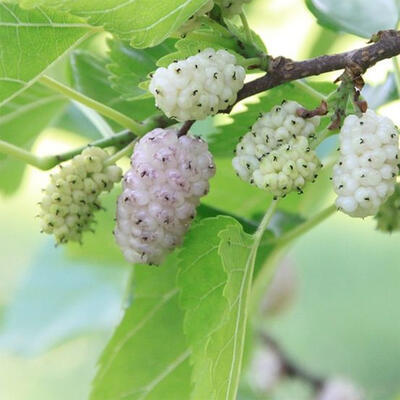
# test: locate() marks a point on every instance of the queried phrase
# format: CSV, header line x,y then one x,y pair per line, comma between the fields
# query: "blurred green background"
x,y
59,307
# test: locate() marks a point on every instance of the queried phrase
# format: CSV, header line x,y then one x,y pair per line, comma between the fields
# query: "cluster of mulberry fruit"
x,y
276,155
199,86
162,189
72,195
366,173
169,173
288,168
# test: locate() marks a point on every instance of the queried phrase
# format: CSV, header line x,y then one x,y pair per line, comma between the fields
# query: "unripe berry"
x,y
340,389
71,197
288,168
270,131
265,370
162,189
366,172
199,86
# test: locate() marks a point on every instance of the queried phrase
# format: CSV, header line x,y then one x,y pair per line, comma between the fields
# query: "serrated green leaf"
x,y
91,77
199,40
21,121
215,272
129,67
32,324
206,211
31,41
201,280
241,34
226,346
359,17
147,357
145,23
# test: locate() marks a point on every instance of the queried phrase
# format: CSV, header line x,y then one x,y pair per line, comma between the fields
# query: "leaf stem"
x,y
102,109
22,154
246,27
121,153
305,87
396,68
258,234
48,162
247,62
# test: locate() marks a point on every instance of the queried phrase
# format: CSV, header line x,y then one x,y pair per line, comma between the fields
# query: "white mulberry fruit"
x,y
199,86
231,7
266,369
162,189
388,217
366,172
271,130
193,22
340,389
287,168
72,195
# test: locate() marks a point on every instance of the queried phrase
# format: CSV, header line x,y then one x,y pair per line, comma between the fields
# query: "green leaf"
x,y
199,40
226,347
359,17
381,94
201,280
91,77
145,23
30,42
215,273
74,120
206,211
241,34
21,121
147,357
32,324
129,67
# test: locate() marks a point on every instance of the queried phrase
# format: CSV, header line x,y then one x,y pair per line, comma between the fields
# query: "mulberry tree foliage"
x,y
193,188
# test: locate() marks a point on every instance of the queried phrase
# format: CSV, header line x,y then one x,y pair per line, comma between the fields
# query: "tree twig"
x,y
290,368
281,69
185,128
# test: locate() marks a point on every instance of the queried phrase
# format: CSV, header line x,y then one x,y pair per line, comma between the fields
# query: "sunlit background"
x,y
58,308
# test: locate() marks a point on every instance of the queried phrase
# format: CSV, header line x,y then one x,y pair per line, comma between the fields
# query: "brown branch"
x,y
281,70
185,128
291,369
